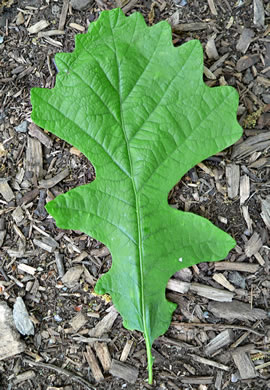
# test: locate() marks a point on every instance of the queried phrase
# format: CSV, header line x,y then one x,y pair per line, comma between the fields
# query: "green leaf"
x,y
139,110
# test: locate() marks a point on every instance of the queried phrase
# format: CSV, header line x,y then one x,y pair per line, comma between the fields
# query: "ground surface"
x,y
230,189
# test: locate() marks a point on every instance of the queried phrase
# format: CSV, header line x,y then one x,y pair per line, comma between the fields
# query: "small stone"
x,y
248,77
81,5
22,127
266,98
21,318
236,279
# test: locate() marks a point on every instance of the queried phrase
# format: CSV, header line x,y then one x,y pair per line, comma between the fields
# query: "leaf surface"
x,y
139,110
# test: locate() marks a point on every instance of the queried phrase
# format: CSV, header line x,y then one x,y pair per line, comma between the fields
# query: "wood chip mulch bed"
x,y
220,333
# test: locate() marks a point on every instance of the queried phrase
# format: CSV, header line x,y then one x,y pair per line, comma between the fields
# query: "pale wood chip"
x,y
190,27
103,354
244,364
100,252
221,340
259,258
126,350
24,376
265,214
197,380
124,371
63,16
78,321
49,183
77,26
212,293
244,188
212,7
247,218
34,159
241,267
253,245
233,178
18,215
178,286
251,144
208,362
104,325
10,343
72,276
27,269
93,364
263,81
50,33
41,25
258,18
75,151
245,40
6,191
220,278
236,310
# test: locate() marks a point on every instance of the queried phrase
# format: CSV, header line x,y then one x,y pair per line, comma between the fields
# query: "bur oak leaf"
x,y
138,109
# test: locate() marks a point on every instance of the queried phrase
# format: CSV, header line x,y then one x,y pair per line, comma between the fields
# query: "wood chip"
x,y
78,321
211,49
124,371
104,325
221,340
10,343
236,310
27,269
18,215
24,376
126,350
212,7
244,189
50,33
49,183
93,364
72,276
244,364
265,214
253,245
247,61
258,18
197,380
263,81
34,159
233,179
241,267
104,356
77,27
208,362
39,134
212,293
178,286
251,145
190,27
247,218
41,25
220,278
63,16
6,191
245,40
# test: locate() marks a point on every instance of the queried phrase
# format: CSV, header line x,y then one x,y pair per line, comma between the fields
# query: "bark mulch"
x,y
220,333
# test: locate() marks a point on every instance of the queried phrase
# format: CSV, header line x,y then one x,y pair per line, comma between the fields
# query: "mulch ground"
x,y
220,333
